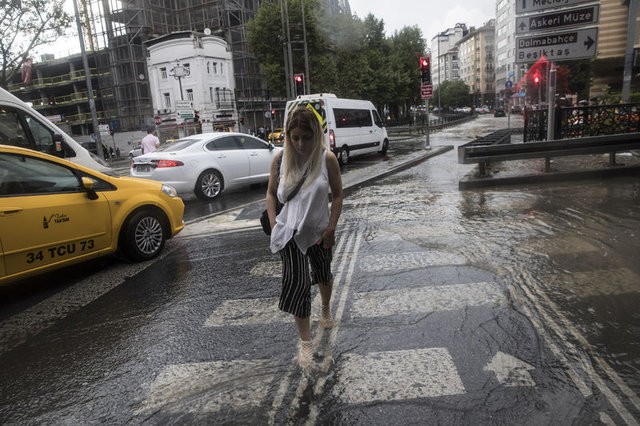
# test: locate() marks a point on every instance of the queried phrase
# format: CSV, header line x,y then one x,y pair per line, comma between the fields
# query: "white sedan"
x,y
208,163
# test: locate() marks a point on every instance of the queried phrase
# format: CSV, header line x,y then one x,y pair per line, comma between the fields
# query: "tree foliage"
x,y
348,56
24,26
453,94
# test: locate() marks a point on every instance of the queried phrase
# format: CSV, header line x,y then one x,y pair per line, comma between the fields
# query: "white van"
x,y
21,125
351,126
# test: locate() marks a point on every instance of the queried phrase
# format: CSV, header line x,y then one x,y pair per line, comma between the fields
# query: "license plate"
x,y
143,168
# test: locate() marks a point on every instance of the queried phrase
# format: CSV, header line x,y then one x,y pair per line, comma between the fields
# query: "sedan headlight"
x,y
169,190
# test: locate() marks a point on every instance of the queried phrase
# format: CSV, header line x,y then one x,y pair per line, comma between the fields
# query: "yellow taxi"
x,y
54,213
277,136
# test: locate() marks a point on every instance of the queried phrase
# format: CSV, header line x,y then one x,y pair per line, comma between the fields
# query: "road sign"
x,y
508,84
426,91
563,46
528,6
557,20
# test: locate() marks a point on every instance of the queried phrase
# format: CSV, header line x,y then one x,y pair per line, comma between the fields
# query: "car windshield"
x,y
178,145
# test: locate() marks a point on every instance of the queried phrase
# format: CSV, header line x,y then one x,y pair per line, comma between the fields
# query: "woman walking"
x,y
304,231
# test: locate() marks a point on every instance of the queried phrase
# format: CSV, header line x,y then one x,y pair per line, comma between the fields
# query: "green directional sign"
x,y
528,6
557,46
558,20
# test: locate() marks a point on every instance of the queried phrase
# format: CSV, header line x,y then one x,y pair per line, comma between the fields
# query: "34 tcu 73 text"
x,y
60,251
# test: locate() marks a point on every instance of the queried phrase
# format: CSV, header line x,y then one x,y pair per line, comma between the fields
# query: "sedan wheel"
x,y
143,236
208,185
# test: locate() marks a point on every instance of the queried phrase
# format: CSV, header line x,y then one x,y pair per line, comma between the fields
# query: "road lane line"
x,y
345,241
567,332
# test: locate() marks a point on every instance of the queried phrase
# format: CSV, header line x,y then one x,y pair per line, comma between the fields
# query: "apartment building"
x,y
476,63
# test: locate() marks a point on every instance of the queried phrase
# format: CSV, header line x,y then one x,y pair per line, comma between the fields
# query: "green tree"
x,y
24,26
453,94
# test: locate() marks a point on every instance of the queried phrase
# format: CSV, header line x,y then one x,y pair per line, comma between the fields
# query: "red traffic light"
x,y
424,63
536,78
298,78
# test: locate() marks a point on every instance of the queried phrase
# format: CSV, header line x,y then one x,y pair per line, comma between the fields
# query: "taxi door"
x,y
46,217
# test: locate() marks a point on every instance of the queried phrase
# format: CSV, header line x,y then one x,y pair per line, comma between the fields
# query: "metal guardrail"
x,y
483,154
421,129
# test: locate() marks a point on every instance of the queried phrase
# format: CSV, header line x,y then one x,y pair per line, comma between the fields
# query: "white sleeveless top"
x,y
306,214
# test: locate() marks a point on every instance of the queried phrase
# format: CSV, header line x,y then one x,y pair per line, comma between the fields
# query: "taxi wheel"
x,y
208,185
143,235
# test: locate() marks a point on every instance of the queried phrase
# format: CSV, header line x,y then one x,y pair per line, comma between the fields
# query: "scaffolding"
x,y
121,27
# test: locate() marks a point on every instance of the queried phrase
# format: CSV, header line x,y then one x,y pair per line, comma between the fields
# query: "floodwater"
x,y
568,251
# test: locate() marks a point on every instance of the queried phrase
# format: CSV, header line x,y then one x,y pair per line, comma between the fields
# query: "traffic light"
x,y
299,80
536,79
425,69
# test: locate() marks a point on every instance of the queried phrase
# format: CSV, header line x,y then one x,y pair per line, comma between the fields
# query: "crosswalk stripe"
x,y
210,387
409,260
254,312
425,299
397,375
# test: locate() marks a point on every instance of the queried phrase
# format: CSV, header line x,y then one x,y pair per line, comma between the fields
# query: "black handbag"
x,y
264,218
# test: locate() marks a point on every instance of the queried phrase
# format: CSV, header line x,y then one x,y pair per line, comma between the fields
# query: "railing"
x,y
420,127
57,80
485,153
575,122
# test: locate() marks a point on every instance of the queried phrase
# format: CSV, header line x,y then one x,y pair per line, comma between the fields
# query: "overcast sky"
x,y
431,16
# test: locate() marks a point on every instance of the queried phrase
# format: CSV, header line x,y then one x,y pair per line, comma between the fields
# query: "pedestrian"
x,y
150,142
303,233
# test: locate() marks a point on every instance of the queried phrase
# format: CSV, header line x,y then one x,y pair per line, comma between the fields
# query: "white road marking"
x,y
210,387
510,371
397,375
425,300
409,260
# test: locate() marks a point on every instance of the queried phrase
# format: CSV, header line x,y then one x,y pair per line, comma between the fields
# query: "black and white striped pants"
x,y
299,271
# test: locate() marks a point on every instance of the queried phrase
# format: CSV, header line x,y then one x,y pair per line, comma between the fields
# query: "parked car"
x,y
499,112
206,164
136,151
57,213
277,136
516,109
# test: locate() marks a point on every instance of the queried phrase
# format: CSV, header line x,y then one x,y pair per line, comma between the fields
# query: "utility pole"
x,y
87,76
628,54
307,82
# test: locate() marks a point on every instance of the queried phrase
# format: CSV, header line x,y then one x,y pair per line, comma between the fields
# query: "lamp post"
x,y
178,72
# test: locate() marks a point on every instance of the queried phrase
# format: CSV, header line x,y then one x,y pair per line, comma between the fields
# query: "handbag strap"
x,y
299,185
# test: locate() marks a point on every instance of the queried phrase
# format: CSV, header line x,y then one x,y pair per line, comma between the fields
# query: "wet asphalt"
x,y
452,307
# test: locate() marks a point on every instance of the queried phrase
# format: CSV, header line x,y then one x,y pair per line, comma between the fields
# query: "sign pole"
x,y
427,143
551,96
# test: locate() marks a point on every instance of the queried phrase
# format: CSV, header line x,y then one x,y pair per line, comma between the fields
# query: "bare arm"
x,y
272,189
335,182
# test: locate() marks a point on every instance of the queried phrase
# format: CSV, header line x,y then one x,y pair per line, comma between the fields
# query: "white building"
x,y
196,68
444,58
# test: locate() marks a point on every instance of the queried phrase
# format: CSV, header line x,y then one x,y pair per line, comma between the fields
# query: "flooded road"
x,y
509,305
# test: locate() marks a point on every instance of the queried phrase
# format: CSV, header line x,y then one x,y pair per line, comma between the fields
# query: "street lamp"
x,y
178,72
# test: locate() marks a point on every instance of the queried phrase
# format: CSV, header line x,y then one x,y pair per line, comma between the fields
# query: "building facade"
x,y
196,68
476,62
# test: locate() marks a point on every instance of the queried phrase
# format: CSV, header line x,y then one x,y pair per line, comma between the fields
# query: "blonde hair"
x,y
304,118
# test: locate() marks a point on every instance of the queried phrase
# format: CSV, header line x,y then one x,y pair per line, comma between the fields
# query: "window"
x,y
23,175
11,131
211,94
20,129
215,68
187,69
247,142
163,73
223,144
190,94
167,100
208,67
352,117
